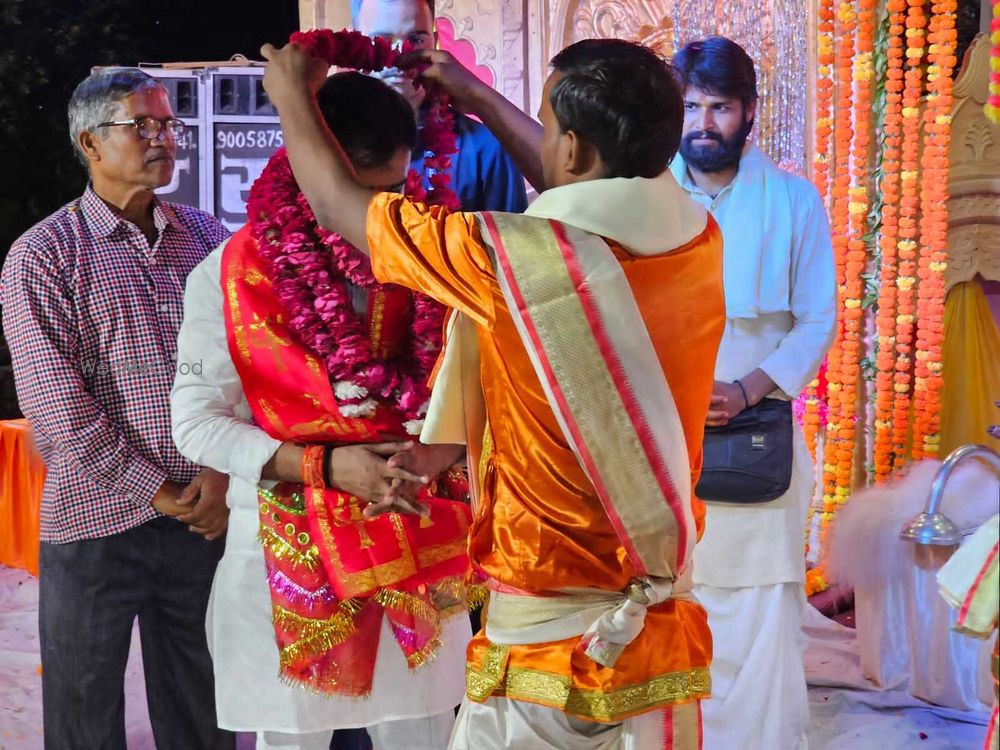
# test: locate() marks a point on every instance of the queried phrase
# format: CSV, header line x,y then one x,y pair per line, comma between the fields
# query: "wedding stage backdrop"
x,y
861,96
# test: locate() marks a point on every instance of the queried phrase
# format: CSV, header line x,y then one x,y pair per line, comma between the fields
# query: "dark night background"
x,y
50,45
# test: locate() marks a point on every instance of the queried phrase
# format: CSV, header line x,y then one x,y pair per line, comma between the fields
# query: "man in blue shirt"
x,y
483,175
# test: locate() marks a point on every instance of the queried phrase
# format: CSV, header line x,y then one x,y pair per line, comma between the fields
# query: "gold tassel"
x,y
407,602
324,687
317,645
425,655
281,548
318,636
308,626
477,595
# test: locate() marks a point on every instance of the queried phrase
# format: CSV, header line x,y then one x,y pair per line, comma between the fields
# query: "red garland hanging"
x,y
310,266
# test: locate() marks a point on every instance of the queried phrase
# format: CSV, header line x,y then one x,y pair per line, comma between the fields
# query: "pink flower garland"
x,y
310,266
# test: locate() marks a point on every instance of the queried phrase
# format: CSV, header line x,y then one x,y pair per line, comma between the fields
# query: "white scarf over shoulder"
x,y
758,217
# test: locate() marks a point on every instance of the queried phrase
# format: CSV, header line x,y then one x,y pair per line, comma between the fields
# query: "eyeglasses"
x,y
149,127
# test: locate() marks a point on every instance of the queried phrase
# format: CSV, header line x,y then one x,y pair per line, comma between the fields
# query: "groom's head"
x,y
375,127
609,109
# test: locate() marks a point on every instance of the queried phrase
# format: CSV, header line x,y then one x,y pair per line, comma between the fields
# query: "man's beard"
x,y
709,159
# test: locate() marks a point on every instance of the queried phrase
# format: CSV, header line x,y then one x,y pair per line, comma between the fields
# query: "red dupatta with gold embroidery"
x,y
332,572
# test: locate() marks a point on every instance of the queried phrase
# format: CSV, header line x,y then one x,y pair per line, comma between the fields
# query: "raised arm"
x,y
519,134
321,168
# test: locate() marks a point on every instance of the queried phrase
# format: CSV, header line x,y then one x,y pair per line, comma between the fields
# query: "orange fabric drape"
x,y
971,355
22,475
540,526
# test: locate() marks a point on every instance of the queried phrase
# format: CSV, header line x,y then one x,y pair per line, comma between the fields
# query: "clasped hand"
x,y
390,476
200,504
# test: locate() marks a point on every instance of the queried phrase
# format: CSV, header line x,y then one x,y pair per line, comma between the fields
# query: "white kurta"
x,y
212,426
754,545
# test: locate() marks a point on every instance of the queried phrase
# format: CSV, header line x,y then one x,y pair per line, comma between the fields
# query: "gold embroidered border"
x,y
316,637
363,581
557,691
232,295
643,519
431,556
482,682
273,499
686,723
485,455
375,334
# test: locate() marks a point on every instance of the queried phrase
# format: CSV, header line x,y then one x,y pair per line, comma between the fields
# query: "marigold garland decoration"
x,y
932,263
824,99
885,319
838,446
916,23
908,220
857,251
811,405
992,105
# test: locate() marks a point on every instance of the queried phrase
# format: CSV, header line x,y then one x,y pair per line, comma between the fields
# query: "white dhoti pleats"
x,y
425,733
759,699
502,724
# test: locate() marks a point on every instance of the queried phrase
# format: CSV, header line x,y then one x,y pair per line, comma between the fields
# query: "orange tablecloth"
x,y
22,475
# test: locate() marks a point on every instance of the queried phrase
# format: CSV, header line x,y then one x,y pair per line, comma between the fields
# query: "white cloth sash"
x,y
607,620
757,223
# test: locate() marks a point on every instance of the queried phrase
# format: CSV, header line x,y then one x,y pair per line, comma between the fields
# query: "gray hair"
x,y
96,97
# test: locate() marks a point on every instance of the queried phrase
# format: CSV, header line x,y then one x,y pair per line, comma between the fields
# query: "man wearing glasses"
x,y
92,303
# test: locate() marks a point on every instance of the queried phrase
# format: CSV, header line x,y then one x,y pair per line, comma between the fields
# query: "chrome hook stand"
x,y
933,527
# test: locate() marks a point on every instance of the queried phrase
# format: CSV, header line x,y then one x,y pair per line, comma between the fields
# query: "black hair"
x,y
718,66
371,120
622,98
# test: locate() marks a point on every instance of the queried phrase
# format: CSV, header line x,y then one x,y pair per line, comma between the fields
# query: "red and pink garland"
x,y
310,266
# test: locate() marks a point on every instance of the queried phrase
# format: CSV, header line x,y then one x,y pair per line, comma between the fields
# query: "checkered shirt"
x,y
91,314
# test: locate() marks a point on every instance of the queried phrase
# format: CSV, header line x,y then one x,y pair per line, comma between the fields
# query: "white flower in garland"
x,y
345,390
361,410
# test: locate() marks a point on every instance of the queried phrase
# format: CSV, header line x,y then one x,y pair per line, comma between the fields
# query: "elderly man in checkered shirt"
x,y
92,303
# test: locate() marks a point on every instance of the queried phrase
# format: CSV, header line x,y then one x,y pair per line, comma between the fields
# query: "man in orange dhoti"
x,y
580,366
